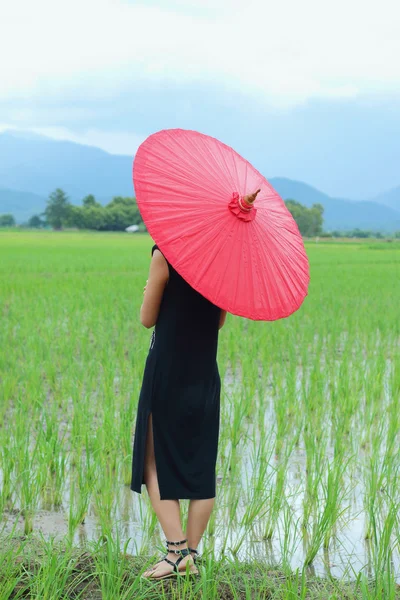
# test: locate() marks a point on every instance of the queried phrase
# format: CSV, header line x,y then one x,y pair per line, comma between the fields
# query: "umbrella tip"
x,y
251,197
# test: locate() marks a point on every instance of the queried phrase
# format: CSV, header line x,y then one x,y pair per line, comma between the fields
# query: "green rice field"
x,y
308,486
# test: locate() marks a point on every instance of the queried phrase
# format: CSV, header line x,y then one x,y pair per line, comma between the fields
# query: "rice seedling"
x,y
308,471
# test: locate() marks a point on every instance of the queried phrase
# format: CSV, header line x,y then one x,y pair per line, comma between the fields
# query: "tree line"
x,y
60,213
114,216
123,211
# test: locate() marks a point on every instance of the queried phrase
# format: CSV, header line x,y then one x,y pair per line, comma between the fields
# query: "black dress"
x,y
181,388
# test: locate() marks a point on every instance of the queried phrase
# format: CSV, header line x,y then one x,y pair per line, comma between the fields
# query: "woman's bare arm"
x,y
222,318
154,289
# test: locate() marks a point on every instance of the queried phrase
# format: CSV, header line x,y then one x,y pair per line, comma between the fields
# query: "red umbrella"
x,y
246,255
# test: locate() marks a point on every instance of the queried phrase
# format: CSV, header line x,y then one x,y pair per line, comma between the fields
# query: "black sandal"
x,y
194,557
183,552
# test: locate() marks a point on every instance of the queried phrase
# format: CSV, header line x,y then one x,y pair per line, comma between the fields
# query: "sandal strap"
x,y
174,564
181,558
192,550
183,552
176,543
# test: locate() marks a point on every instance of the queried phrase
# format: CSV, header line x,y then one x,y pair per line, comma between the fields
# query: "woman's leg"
x,y
198,516
167,511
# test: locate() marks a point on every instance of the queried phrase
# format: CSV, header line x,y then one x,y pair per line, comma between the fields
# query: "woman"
x,y
177,424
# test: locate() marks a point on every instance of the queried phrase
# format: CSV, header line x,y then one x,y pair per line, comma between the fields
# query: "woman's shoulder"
x,y
155,247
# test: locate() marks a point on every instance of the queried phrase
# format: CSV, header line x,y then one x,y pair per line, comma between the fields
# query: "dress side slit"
x,y
153,448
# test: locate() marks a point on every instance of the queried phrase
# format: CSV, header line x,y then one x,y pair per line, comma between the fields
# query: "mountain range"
x,y
32,166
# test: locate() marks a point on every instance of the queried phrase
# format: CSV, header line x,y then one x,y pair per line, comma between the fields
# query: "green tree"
x,y
309,220
7,220
316,219
89,201
35,221
115,216
58,209
73,218
120,213
93,217
359,233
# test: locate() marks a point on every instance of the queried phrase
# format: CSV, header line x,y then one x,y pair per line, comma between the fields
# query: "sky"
x,y
308,90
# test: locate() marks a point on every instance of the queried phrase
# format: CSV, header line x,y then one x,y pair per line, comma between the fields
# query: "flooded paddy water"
x,y
308,471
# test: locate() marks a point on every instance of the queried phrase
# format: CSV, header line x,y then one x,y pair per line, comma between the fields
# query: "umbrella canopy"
x,y
245,255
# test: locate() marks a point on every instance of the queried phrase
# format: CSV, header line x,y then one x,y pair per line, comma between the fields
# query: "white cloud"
x,y
284,52
116,142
